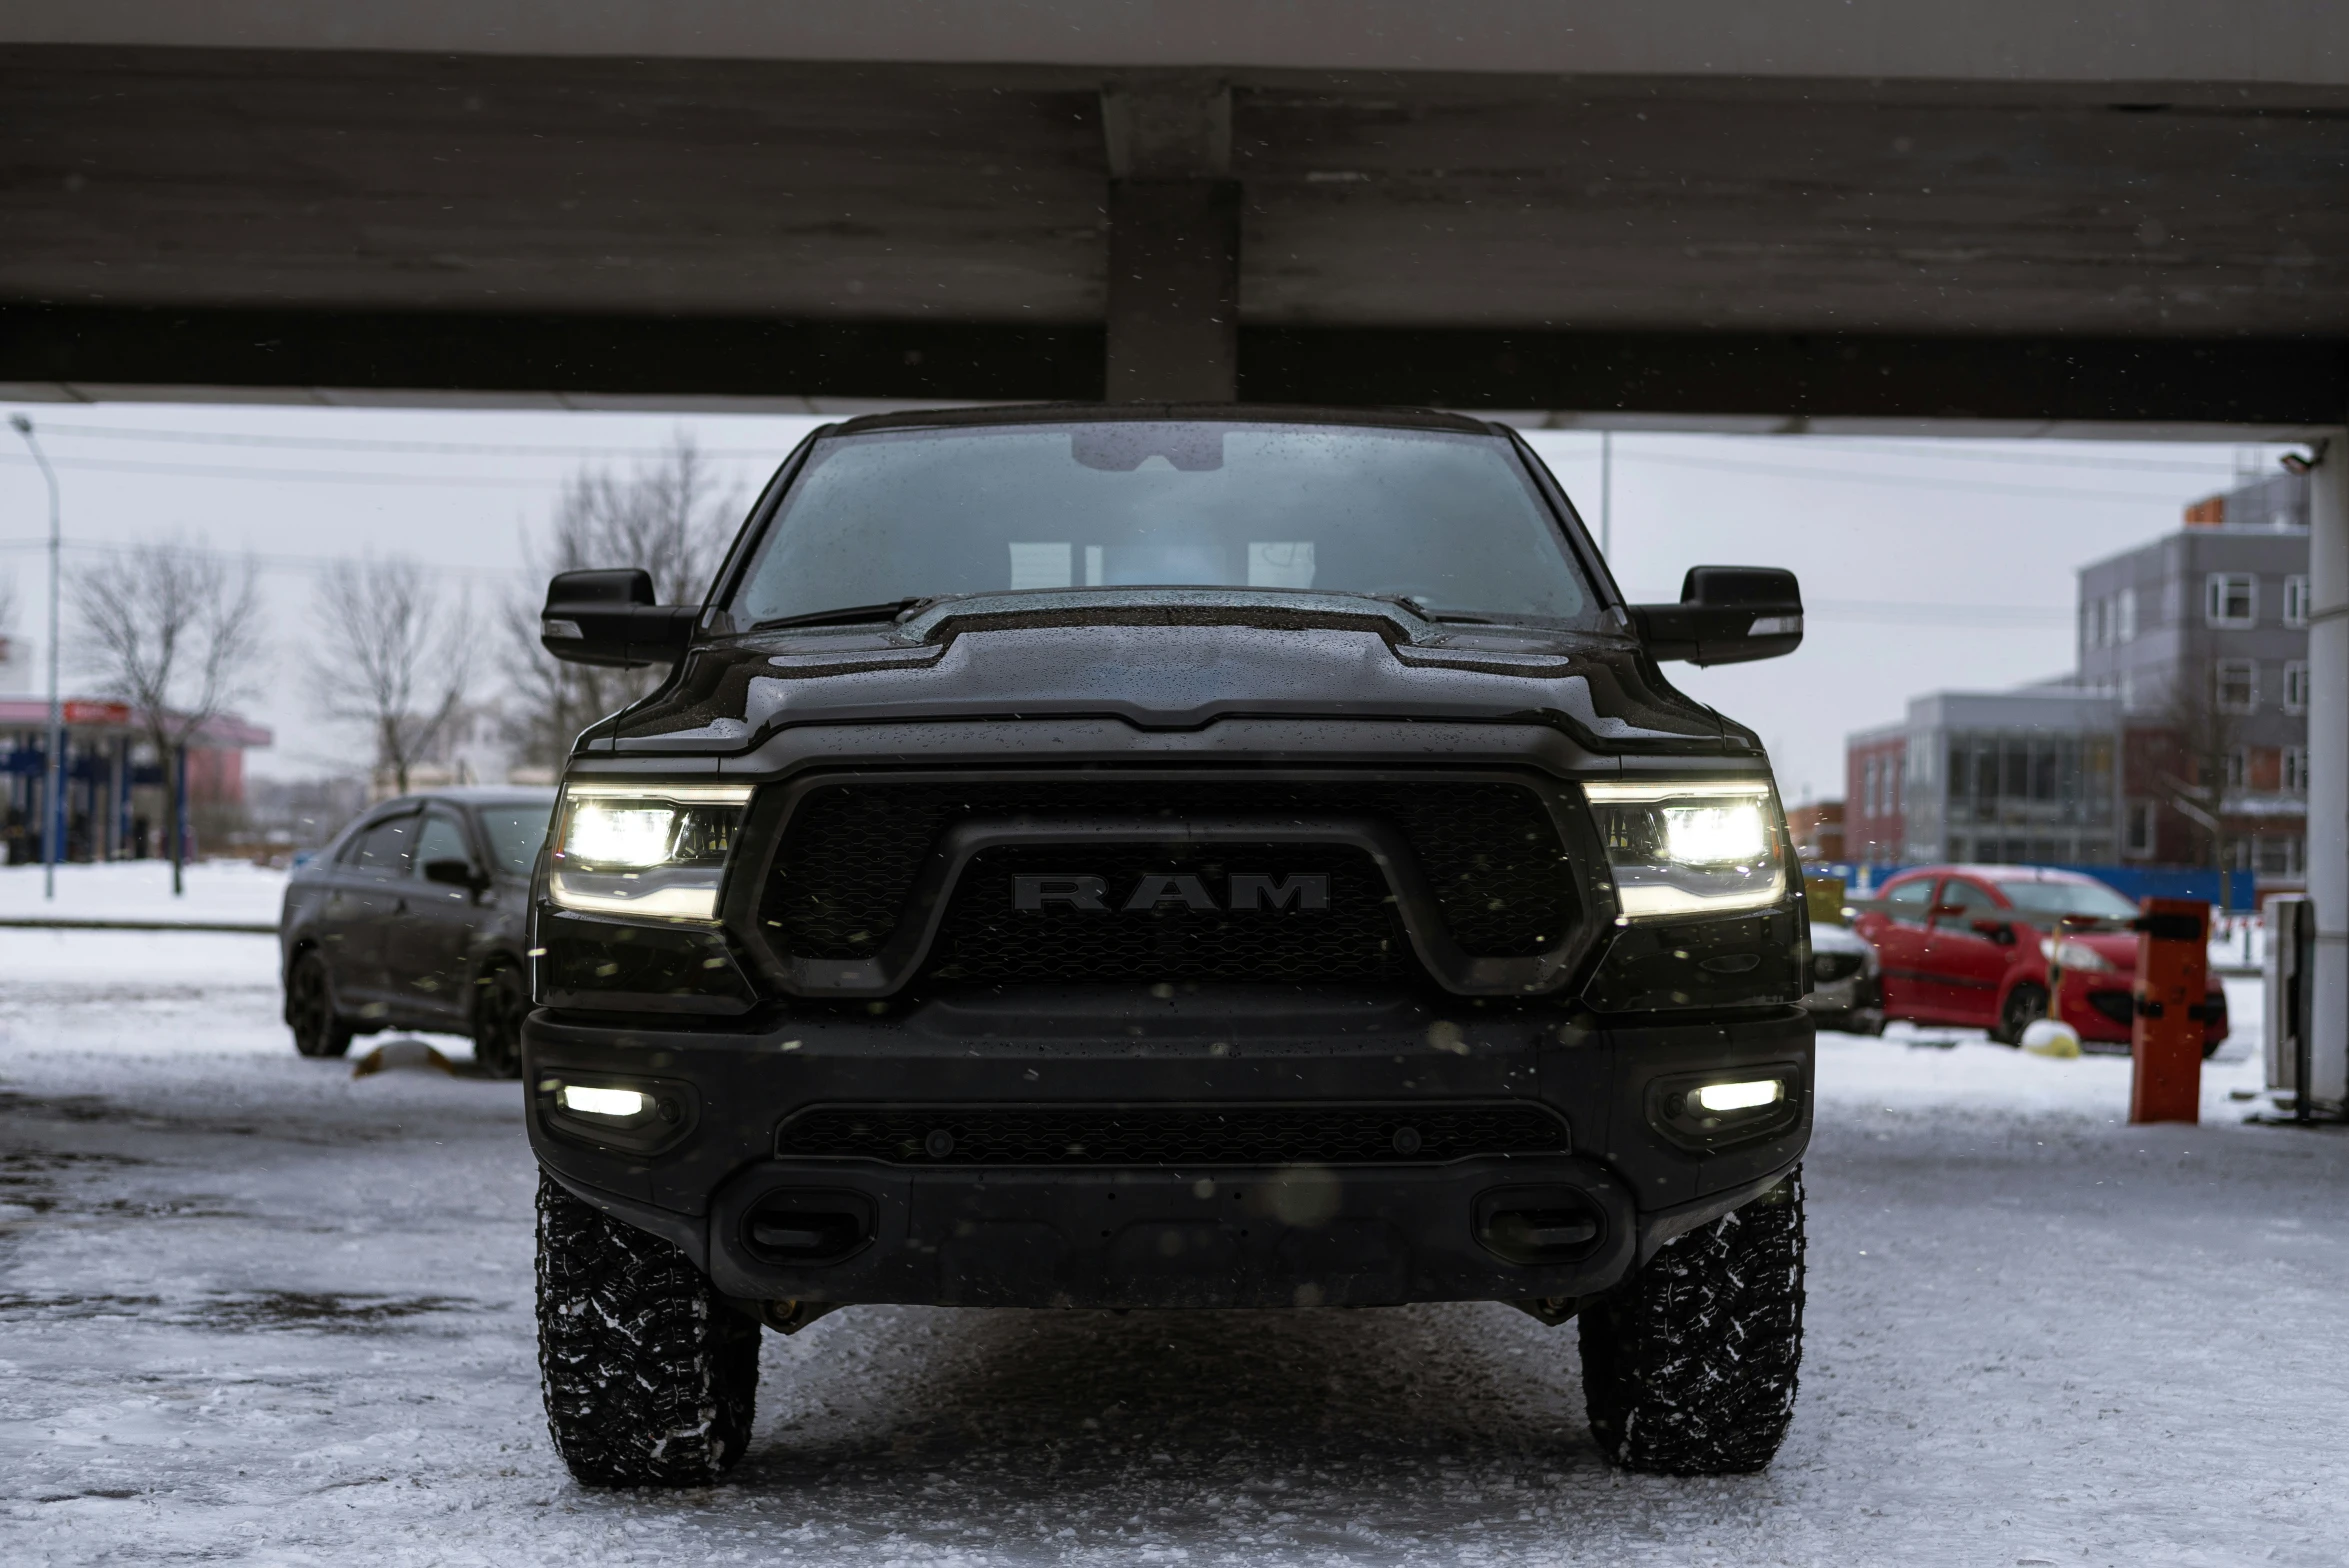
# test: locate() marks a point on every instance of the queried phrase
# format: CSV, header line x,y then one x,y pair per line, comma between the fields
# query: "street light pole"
x,y
53,797
1607,494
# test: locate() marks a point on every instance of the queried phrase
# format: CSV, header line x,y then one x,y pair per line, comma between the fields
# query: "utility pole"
x,y
1607,493
53,797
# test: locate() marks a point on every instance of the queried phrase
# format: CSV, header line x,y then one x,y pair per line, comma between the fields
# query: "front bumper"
x,y
2101,1010
1174,1231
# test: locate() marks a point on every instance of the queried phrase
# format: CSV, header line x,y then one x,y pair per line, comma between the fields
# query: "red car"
x,y
1973,945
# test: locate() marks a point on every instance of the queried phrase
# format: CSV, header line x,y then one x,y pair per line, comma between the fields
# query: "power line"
x,y
1960,450
1894,613
1955,450
379,444
276,559
509,481
1907,481
280,475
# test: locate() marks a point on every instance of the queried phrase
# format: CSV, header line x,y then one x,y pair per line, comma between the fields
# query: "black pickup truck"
x,y
1167,857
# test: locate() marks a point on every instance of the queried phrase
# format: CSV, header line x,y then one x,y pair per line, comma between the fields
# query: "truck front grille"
x,y
843,875
1181,1136
1358,937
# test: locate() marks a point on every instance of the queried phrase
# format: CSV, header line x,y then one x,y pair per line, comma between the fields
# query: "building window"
x,y
2296,686
2124,605
2296,599
2137,838
2235,685
2280,855
2231,599
2238,767
2294,774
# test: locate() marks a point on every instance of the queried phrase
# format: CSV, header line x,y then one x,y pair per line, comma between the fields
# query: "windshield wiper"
x,y
846,615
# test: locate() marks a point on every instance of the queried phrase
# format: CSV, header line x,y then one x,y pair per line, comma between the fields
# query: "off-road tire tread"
x,y
1689,1367
650,1377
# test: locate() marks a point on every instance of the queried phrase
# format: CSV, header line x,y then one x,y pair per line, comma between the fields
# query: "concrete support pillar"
x,y
2328,767
1174,241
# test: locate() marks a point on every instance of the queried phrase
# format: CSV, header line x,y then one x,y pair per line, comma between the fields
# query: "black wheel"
x,y
309,1009
500,1002
650,1377
1688,1367
2025,1006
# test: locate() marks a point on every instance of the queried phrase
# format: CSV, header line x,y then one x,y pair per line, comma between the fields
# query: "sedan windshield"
x,y
1450,520
2052,900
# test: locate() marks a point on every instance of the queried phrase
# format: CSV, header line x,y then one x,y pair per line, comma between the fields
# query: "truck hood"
x,y
1168,659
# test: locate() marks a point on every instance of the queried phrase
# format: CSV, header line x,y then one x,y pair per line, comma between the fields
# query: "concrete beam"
x,y
2278,388
1174,291
2116,41
1173,273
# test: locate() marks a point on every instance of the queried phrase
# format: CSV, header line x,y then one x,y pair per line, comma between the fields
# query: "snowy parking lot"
x,y
254,1309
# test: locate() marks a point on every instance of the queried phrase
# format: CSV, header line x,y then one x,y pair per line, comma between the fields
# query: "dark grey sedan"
x,y
415,918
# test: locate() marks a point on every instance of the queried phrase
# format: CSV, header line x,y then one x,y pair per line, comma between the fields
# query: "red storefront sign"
x,y
97,713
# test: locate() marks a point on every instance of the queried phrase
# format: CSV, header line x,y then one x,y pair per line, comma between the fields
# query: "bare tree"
x,y
671,517
395,655
174,631
2205,736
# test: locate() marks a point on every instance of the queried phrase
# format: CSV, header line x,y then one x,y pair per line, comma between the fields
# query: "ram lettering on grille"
x,y
1243,890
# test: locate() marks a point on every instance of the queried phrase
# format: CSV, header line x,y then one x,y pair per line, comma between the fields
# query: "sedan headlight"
x,y
1694,847
645,849
2078,957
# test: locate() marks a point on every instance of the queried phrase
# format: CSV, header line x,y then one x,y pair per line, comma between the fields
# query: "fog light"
x,y
1740,1096
616,1103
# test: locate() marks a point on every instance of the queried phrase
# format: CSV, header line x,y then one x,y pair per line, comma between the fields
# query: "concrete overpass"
x,y
2124,217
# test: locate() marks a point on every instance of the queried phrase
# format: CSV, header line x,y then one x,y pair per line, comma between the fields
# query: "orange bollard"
x,y
2173,984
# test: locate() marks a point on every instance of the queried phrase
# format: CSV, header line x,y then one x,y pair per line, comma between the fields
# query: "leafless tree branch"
x,y
670,517
395,655
174,631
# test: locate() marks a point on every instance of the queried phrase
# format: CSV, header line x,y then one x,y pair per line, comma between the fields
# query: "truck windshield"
x,y
1449,519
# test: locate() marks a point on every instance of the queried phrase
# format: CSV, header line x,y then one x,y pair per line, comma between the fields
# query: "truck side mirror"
x,y
609,618
1726,615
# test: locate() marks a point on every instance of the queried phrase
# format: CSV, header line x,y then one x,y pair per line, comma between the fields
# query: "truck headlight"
x,y
1690,847
645,849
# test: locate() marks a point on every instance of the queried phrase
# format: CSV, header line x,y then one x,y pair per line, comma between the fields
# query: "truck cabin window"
x,y
1451,521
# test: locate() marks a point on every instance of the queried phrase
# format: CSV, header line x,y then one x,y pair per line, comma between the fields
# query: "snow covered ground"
x,y
255,1310
141,890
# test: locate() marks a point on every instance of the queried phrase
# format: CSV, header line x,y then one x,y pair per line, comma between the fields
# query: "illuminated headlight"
x,y
2079,957
1699,847
645,849
1718,1097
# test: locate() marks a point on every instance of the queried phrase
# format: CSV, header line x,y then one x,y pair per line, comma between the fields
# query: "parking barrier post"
x,y
2173,987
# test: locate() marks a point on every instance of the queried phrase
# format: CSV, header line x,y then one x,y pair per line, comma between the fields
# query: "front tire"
x,y
1689,1367
500,1002
309,1009
2025,1005
650,1377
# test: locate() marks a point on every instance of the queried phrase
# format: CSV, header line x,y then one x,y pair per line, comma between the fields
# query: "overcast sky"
x,y
1925,564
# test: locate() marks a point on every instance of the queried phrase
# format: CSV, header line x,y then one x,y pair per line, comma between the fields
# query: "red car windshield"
x,y
2054,900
